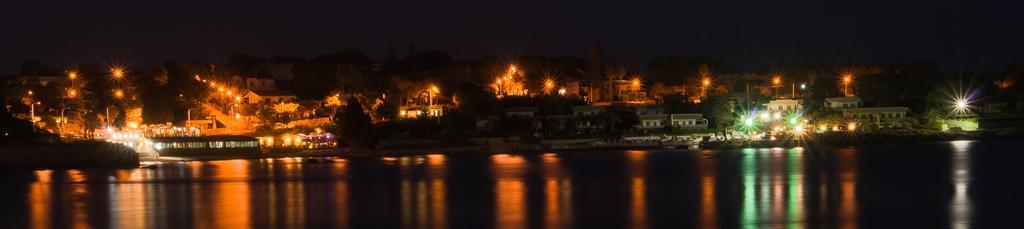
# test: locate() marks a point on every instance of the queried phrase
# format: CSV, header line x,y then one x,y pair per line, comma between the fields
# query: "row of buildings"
x,y
590,119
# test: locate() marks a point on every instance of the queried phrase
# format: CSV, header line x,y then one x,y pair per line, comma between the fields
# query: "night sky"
x,y
748,35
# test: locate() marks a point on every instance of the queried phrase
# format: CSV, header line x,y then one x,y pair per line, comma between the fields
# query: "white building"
x,y
417,111
842,102
782,105
652,121
689,121
881,116
269,96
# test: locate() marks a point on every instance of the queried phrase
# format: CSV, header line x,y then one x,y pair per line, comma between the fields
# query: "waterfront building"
x,y
652,121
843,102
879,116
689,121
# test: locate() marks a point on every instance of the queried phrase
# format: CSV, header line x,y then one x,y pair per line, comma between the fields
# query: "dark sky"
x,y
747,34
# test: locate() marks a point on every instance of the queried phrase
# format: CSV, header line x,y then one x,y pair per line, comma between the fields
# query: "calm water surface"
x,y
959,184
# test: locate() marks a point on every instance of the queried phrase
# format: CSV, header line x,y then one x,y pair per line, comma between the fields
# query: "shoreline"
x,y
77,155
861,140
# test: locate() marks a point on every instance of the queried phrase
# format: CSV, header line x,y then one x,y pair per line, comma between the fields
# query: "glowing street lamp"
x,y
847,80
118,93
776,83
961,106
430,93
72,93
118,73
549,85
32,111
72,75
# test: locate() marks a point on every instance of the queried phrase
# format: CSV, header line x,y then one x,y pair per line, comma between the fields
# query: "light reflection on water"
x,y
748,188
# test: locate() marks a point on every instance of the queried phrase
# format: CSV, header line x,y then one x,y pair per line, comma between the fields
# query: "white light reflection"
x,y
960,208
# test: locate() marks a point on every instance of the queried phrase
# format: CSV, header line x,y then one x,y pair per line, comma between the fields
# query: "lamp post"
x,y
847,79
32,110
62,120
106,121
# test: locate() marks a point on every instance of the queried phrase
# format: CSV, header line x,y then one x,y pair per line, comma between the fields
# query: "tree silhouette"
x,y
354,127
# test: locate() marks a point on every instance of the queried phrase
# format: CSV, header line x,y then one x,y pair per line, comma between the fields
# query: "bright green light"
x,y
748,122
793,121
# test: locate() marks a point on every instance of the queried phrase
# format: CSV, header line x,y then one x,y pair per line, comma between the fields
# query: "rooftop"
x,y
848,99
876,109
272,93
687,116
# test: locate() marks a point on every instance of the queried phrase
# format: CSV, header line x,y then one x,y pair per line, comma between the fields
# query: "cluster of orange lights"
x,y
508,84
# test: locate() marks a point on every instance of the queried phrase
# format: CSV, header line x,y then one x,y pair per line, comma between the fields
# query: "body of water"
x,y
961,184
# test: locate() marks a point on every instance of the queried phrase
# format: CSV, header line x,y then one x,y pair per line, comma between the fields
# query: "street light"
x,y
118,93
118,73
72,75
430,94
776,83
961,106
32,111
549,85
847,80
